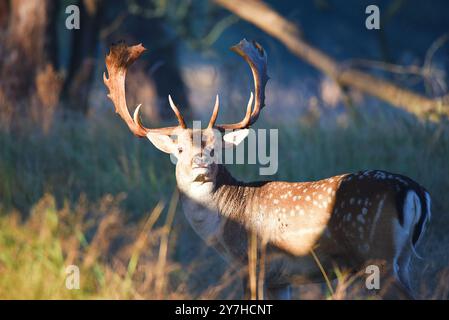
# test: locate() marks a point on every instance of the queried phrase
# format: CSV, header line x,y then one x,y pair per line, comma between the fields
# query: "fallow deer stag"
x,y
345,221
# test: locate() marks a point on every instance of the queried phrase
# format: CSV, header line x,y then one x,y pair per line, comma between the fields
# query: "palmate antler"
x,y
255,56
118,60
121,57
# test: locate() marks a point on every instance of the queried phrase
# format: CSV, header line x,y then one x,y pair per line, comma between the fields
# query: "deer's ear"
x,y
162,141
234,138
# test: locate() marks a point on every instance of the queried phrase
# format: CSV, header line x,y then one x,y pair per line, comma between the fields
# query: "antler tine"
x,y
242,124
117,61
214,116
255,56
178,114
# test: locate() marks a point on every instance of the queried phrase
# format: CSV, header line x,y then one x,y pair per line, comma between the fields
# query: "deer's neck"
x,y
231,197
208,205
225,196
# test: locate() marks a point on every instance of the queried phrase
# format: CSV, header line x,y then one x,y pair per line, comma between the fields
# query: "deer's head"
x,y
195,149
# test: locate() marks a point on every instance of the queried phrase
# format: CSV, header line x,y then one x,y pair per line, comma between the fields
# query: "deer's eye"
x,y
179,149
210,151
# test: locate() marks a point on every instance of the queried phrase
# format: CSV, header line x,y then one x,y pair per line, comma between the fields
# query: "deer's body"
x,y
344,221
348,220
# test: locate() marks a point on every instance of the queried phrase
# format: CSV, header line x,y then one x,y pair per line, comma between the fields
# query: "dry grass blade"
x,y
261,276
101,239
142,238
163,248
252,265
328,283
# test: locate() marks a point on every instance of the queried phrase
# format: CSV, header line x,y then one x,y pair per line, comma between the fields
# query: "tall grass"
x,y
88,193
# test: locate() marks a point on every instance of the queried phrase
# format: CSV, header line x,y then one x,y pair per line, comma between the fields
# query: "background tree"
x,y
27,60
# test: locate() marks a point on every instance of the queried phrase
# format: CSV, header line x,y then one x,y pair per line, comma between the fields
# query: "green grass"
x,y
56,191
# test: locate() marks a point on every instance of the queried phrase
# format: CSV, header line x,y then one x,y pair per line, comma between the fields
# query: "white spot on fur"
x,y
376,217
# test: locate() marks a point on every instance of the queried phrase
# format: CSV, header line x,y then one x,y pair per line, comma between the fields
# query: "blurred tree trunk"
x,y
27,58
166,74
4,14
82,56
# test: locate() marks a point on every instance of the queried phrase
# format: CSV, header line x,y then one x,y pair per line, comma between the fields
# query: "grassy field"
x,y
89,193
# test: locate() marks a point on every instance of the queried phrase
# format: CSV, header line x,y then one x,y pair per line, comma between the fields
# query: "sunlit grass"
x,y
89,193
35,253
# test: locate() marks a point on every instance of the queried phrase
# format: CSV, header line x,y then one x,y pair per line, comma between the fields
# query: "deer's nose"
x,y
200,160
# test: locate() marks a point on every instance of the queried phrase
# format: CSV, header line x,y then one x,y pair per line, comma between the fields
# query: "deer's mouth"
x,y
202,170
200,166
203,178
